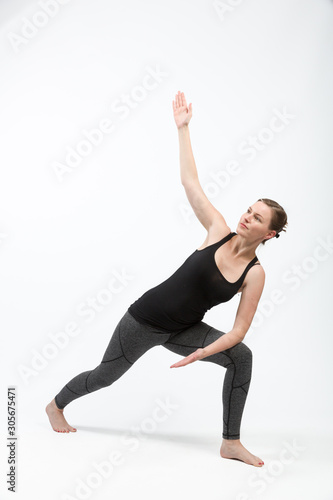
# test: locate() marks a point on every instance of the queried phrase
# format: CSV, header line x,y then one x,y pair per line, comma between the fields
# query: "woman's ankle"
x,y
231,441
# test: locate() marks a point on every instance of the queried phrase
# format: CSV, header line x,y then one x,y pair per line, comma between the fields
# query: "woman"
x,y
171,313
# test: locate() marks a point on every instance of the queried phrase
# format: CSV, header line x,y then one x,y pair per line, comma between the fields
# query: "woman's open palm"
x,y
181,112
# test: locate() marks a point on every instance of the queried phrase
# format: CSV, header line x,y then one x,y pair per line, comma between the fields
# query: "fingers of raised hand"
x,y
180,100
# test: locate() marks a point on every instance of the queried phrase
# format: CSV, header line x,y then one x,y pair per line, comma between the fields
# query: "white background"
x,y
123,209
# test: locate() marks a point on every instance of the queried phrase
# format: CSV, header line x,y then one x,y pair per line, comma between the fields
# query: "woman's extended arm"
x,y
182,115
244,316
206,213
188,169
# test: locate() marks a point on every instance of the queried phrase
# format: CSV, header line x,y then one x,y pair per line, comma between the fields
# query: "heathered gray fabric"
x,y
132,339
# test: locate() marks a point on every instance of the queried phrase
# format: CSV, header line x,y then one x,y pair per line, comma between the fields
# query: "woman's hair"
x,y
279,217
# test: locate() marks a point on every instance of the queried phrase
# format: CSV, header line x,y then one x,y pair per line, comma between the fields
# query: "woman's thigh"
x,y
196,336
132,339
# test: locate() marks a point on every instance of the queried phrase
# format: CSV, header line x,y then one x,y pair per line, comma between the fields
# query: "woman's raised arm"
x,y
204,210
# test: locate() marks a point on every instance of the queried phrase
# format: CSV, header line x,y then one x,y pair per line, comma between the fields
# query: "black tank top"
x,y
183,299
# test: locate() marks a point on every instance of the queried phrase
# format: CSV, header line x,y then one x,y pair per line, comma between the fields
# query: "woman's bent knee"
x,y
240,353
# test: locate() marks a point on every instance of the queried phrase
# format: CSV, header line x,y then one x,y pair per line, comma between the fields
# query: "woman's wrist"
x,y
202,353
183,127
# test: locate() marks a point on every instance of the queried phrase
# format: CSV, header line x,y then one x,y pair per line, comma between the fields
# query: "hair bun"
x,y
277,235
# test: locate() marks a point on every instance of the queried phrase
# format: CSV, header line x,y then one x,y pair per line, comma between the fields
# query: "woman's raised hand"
x,y
181,112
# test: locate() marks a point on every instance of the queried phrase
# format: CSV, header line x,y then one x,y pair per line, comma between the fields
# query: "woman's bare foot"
x,y
232,448
57,419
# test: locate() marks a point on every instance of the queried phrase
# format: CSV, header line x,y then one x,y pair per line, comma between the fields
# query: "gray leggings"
x,y
132,339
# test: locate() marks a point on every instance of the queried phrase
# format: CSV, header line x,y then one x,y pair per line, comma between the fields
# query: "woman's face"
x,y
256,219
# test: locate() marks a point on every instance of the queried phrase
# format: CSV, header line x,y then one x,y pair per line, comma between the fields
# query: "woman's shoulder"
x,y
255,272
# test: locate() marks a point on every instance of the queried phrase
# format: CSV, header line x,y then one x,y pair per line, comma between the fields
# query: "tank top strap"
x,y
225,238
213,246
248,267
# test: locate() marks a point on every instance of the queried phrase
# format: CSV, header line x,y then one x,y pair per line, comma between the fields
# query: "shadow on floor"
x,y
189,439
